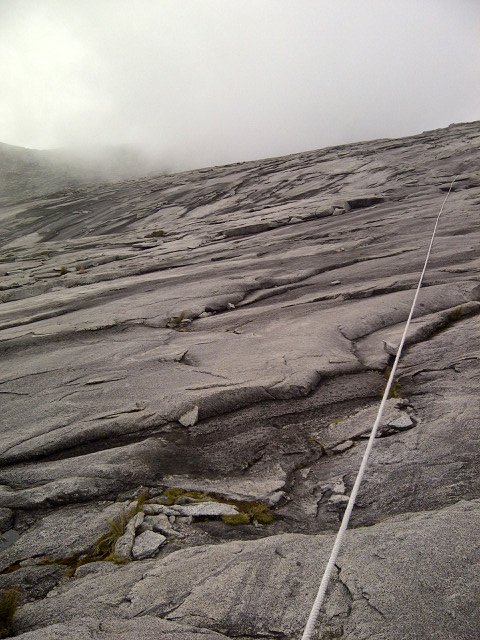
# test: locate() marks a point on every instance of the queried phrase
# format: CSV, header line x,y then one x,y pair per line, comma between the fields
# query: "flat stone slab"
x,y
147,545
206,509
403,422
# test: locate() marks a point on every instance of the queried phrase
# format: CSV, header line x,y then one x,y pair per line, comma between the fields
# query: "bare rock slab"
x,y
64,533
146,628
222,587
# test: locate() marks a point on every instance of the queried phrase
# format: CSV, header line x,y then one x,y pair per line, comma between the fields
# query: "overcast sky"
x,y
202,82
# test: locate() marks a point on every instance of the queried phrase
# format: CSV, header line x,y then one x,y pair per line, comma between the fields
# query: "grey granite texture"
x,y
223,336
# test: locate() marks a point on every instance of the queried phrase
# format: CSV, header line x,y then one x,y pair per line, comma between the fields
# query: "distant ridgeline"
x,y
26,173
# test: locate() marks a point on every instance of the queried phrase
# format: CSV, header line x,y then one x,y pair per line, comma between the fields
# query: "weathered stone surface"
x,y
62,534
161,524
6,519
343,446
124,544
401,423
7,538
249,486
274,321
33,581
146,628
147,544
155,509
266,587
206,509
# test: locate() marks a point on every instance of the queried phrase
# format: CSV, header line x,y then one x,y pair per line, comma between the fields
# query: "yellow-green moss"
x,y
257,511
248,511
173,494
239,518
104,548
336,420
396,388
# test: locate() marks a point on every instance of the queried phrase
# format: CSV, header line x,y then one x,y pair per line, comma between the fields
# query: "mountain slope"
x,y
223,336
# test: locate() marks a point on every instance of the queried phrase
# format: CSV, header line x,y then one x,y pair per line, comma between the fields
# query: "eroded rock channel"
x,y
190,367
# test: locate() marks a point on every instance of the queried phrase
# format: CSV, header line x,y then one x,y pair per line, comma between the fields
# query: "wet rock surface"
x,y
190,368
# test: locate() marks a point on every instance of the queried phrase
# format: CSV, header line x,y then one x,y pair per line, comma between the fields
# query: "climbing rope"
x,y
314,613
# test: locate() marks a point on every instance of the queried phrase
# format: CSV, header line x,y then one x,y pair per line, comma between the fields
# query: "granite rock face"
x,y
208,350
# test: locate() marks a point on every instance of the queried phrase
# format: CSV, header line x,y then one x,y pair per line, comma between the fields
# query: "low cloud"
x,y
203,82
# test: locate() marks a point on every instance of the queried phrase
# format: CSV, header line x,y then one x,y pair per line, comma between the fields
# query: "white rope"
x,y
312,619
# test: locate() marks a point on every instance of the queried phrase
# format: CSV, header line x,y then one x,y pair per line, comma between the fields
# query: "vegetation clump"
x,y
173,494
9,601
239,518
104,548
396,388
336,421
248,512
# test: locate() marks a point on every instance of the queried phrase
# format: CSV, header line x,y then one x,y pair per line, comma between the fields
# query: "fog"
x,y
202,82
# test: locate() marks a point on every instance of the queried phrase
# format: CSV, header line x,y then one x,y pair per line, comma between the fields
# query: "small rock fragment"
x,y
390,348
275,497
160,524
155,509
335,485
147,545
190,418
402,423
124,544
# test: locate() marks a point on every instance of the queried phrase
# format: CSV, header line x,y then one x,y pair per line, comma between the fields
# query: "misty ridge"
x,y
28,173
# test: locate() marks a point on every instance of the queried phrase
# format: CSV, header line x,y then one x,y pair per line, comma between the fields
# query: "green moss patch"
x,y
173,494
240,518
104,548
248,511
